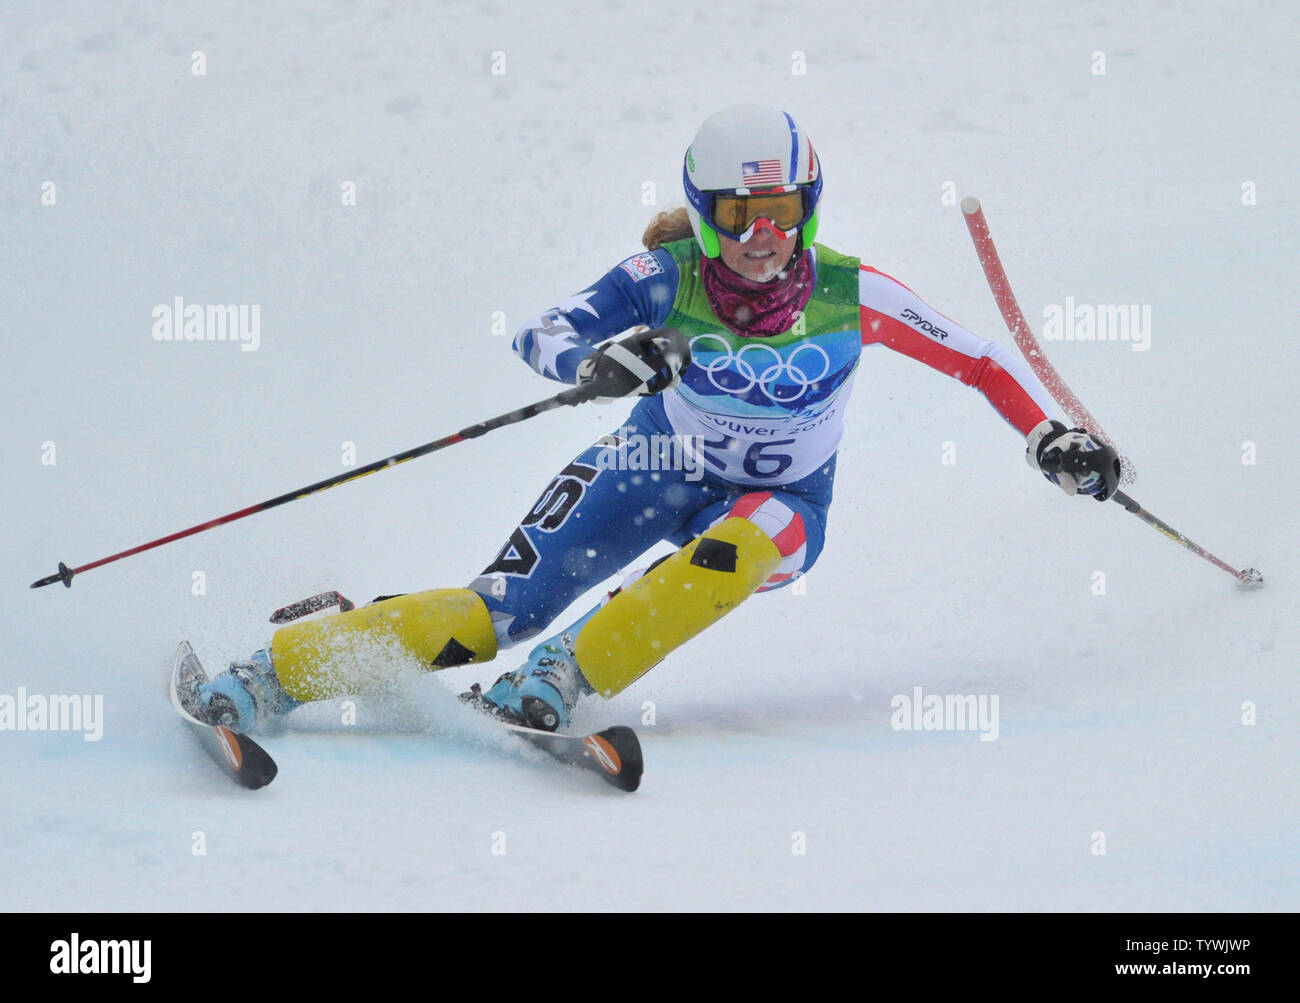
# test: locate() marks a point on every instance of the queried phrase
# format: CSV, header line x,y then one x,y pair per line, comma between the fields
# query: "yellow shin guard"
x,y
340,654
672,602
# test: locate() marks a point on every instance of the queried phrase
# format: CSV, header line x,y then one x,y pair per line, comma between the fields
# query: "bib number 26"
x,y
763,459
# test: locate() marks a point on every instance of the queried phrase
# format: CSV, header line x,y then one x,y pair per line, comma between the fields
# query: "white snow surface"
x,y
1120,714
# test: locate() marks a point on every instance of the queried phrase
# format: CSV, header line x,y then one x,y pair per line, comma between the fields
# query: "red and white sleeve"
x,y
894,316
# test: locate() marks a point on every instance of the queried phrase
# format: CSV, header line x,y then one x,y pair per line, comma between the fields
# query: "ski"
x,y
614,754
239,757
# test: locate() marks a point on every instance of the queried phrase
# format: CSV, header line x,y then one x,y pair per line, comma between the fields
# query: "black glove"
x,y
642,362
1073,459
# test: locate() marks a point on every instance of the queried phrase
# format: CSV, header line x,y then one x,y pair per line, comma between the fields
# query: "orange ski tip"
x,y
603,753
230,746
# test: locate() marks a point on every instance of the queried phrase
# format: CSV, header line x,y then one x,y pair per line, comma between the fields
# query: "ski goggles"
x,y
736,215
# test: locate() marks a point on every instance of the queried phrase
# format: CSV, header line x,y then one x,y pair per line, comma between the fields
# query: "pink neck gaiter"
x,y
757,309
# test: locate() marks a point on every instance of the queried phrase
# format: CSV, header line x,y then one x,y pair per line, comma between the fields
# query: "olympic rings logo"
x,y
764,378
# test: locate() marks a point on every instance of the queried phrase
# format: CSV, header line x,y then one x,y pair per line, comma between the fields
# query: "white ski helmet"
x,y
745,150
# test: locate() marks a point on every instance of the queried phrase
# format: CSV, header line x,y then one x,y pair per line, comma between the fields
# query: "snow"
x,y
1120,713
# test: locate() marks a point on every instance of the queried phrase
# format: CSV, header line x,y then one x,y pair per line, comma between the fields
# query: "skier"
x,y
776,326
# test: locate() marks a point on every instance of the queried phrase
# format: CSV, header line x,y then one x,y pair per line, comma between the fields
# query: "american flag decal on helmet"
x,y
761,172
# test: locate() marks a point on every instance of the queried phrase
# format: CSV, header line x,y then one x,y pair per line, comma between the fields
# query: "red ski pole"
x,y
1024,335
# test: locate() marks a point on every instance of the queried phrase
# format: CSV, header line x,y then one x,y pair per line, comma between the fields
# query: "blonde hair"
x,y
667,226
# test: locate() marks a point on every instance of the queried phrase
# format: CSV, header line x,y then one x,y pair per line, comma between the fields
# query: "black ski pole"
x,y
574,395
1246,576
1062,394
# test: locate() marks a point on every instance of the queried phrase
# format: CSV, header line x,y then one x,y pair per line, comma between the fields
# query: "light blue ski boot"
x,y
541,692
244,698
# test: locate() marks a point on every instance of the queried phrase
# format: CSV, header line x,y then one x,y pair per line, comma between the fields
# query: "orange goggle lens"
x,y
734,214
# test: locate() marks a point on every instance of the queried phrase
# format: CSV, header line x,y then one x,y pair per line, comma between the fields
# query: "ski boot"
x,y
244,698
540,693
